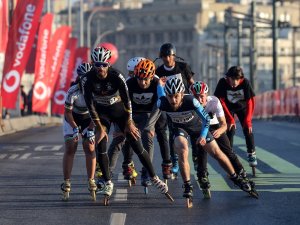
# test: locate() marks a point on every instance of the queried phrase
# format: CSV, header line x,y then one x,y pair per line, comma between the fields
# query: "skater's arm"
x,y
204,118
154,115
249,113
229,118
69,118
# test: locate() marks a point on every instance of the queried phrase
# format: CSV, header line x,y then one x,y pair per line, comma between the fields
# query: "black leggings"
x,y
248,137
136,145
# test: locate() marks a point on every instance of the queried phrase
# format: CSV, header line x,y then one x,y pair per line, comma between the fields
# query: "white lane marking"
x,y
2,156
13,156
48,148
121,195
297,144
117,219
25,156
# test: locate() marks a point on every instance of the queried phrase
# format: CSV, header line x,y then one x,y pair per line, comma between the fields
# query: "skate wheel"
x,y
66,196
254,194
253,171
189,202
167,194
106,200
206,194
93,195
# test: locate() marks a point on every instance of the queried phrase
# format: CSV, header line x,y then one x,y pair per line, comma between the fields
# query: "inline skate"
x,y
129,173
188,193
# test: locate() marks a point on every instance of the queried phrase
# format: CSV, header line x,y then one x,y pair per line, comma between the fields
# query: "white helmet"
x,y
133,62
83,68
174,86
100,54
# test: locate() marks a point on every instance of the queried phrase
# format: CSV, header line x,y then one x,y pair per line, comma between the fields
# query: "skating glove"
x,y
90,134
75,133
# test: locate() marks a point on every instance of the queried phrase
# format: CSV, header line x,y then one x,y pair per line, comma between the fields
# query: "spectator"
x,y
29,100
23,101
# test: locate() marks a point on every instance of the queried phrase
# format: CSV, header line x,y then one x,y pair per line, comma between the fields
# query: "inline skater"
x,y
77,122
171,68
237,98
116,144
217,128
143,94
187,118
106,95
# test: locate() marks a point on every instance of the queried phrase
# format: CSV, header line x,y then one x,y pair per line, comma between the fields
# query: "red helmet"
x,y
198,88
144,69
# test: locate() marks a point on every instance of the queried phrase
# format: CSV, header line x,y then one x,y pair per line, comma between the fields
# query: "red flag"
x,y
64,79
55,56
23,28
40,91
81,55
3,24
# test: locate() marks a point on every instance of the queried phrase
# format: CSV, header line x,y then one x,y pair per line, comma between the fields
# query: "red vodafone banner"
x,y
64,78
40,91
21,36
55,56
81,55
3,24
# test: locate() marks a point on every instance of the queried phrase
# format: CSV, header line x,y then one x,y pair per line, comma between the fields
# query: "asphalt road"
x,y
31,174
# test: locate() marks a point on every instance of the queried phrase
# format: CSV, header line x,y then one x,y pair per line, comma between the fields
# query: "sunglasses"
x,y
101,64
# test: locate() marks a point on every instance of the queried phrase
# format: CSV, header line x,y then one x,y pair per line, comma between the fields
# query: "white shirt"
x,y
214,108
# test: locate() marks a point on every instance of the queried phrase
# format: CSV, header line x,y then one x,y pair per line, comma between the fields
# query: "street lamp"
x,y
89,21
120,27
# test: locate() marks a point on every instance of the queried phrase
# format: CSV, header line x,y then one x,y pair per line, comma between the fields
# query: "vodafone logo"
x,y
40,90
60,97
12,75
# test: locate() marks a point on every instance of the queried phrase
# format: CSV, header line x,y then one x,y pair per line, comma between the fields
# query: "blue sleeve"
x,y
204,118
160,91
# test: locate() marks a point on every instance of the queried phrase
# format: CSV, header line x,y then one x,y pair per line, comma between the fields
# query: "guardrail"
x,y
12,125
283,103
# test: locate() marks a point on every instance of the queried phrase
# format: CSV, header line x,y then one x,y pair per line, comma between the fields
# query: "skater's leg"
x,y
181,148
90,158
226,148
102,159
249,138
68,158
213,149
230,134
161,128
143,155
114,150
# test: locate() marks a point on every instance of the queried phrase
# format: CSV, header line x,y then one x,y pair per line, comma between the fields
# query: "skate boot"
x,y
129,173
245,185
92,186
166,170
195,161
252,161
163,187
188,193
66,188
243,174
175,167
99,177
204,184
107,190
145,180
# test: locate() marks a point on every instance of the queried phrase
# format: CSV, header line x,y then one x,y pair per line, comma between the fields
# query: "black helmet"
x,y
167,49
